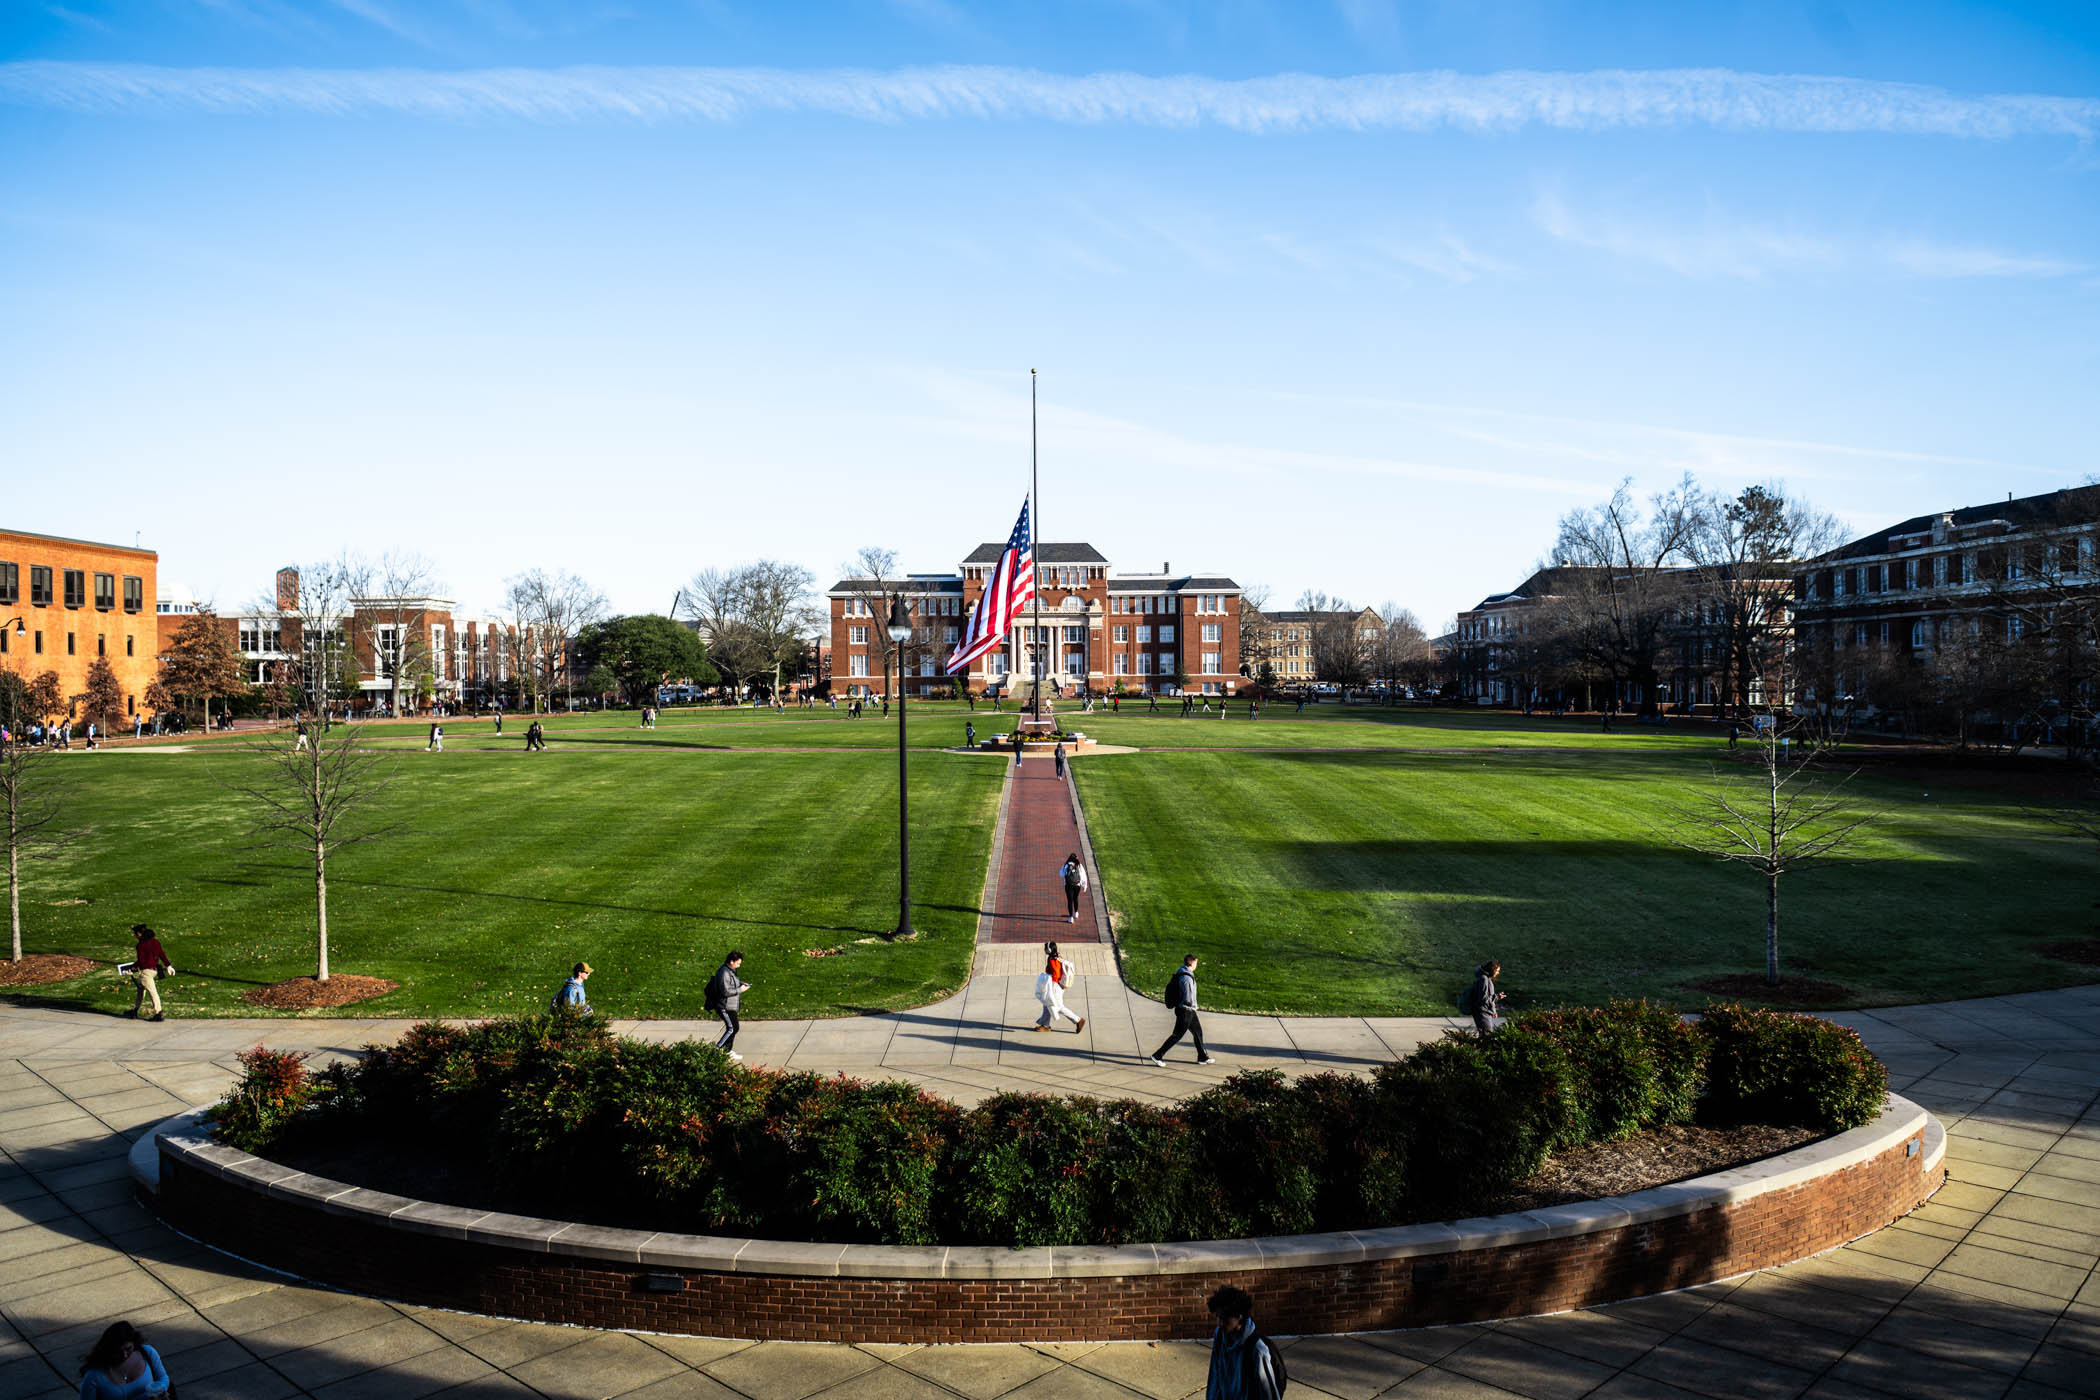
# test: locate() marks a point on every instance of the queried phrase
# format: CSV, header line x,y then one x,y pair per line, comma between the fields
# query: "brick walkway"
x,y
1038,831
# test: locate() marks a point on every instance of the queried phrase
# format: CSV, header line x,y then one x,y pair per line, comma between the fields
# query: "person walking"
x,y
1073,874
1480,1000
725,997
499,719
1181,1000
122,1364
571,996
149,964
1017,748
1734,732
138,726
1050,985
1242,1364
969,734
305,743
1058,757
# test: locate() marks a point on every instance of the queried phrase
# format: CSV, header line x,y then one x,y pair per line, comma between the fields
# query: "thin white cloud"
x,y
1447,256
1492,102
1716,248
1940,260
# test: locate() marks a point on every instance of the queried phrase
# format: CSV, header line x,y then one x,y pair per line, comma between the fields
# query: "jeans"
x,y
729,1025
1186,1023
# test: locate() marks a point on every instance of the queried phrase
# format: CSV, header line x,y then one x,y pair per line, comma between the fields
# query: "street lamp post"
x,y
900,632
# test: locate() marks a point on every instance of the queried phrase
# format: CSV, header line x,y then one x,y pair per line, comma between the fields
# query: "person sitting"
x,y
122,1364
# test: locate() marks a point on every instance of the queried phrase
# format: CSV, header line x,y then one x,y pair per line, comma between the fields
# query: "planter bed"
x,y
1783,1207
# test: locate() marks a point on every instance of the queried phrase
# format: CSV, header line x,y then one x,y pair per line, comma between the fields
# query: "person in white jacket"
x,y
1050,987
1073,875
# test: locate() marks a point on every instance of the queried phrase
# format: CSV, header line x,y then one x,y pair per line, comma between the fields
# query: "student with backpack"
x,y
1243,1366
1073,874
1181,1000
725,997
1480,1000
1050,986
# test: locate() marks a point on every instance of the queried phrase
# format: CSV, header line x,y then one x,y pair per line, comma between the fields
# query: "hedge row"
x,y
561,1118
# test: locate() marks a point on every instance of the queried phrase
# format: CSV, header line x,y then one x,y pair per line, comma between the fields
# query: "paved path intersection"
x,y
1989,1290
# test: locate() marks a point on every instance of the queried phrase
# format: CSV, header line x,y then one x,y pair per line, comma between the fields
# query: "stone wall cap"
x,y
790,1257
1406,1241
708,1253
515,1231
598,1242
431,1218
992,1261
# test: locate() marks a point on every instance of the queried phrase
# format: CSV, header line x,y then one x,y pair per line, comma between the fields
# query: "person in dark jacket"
x,y
1482,1002
1181,1000
725,996
1242,1366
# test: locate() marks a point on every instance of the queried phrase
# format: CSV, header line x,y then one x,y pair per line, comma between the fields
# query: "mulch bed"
x,y
1796,991
1653,1158
2085,951
35,969
307,994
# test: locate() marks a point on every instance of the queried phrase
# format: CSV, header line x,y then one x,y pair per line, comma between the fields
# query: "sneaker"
x,y
1042,1025
1157,1061
1207,1060
1080,1027
158,1016
734,1056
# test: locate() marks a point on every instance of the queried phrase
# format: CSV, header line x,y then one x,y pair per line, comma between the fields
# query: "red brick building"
x,y
1099,630
76,601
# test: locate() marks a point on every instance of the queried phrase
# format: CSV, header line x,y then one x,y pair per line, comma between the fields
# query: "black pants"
x,y
1186,1023
1072,899
729,1025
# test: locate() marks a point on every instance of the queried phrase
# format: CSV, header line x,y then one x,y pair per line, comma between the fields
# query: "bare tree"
x,y
313,789
551,607
31,790
756,618
1745,548
1626,586
1257,635
1339,655
387,602
1776,820
1403,650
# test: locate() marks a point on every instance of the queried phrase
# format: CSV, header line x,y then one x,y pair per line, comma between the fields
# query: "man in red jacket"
x,y
152,962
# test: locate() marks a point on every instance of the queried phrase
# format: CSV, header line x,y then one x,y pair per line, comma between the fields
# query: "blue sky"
x,y
1355,296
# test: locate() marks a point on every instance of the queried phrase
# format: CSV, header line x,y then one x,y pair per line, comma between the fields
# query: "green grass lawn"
x,y
1372,883
515,866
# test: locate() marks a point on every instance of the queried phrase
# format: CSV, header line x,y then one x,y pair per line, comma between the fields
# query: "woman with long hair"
x,y
1050,987
123,1365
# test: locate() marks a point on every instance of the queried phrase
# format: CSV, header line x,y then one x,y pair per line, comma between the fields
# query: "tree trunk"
x,y
14,883
321,904
1771,928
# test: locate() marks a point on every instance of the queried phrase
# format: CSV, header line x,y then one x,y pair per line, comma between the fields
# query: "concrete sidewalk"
x,y
1989,1290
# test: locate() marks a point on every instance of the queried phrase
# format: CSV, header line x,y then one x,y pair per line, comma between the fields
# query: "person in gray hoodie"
x,y
1481,1001
1181,1000
725,995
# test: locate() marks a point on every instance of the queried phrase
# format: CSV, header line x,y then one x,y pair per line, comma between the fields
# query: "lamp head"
x,y
900,621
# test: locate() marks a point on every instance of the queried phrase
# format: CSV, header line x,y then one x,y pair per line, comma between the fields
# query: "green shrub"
x,y
1151,1182
1260,1142
263,1102
563,1118
1021,1171
1778,1067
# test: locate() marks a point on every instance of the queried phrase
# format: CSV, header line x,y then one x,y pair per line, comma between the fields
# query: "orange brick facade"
x,y
1466,1285
1095,630
79,600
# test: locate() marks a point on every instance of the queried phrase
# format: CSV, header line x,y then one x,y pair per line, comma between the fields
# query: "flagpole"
x,y
1035,527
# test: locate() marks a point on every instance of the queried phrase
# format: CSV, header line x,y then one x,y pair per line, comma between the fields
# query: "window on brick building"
x,y
1144,663
127,646
134,593
1120,665
10,583
76,588
1210,663
101,645
858,636
1122,633
857,666
69,644
1212,631
1166,634
1144,635
105,592
39,648
39,586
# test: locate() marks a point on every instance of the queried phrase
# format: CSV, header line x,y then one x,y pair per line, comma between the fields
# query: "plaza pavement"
x,y
1987,1291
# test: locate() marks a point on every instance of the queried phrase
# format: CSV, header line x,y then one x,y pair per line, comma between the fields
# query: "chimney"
x,y
1166,566
287,590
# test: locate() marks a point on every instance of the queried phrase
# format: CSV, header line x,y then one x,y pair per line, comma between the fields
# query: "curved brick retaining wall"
x,y
1693,1232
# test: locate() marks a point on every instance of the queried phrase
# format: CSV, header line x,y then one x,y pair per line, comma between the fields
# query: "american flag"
x,y
1012,584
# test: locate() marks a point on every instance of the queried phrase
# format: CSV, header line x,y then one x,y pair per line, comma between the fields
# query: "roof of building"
x,y
2074,505
1351,613
92,544
1549,582
1046,552
917,583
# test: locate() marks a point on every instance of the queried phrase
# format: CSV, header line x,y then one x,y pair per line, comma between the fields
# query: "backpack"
x,y
1469,1000
1061,972
555,1004
1174,998
713,999
1283,1377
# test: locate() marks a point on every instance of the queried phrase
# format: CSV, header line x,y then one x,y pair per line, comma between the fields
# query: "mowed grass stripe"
x,y
1372,883
515,866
